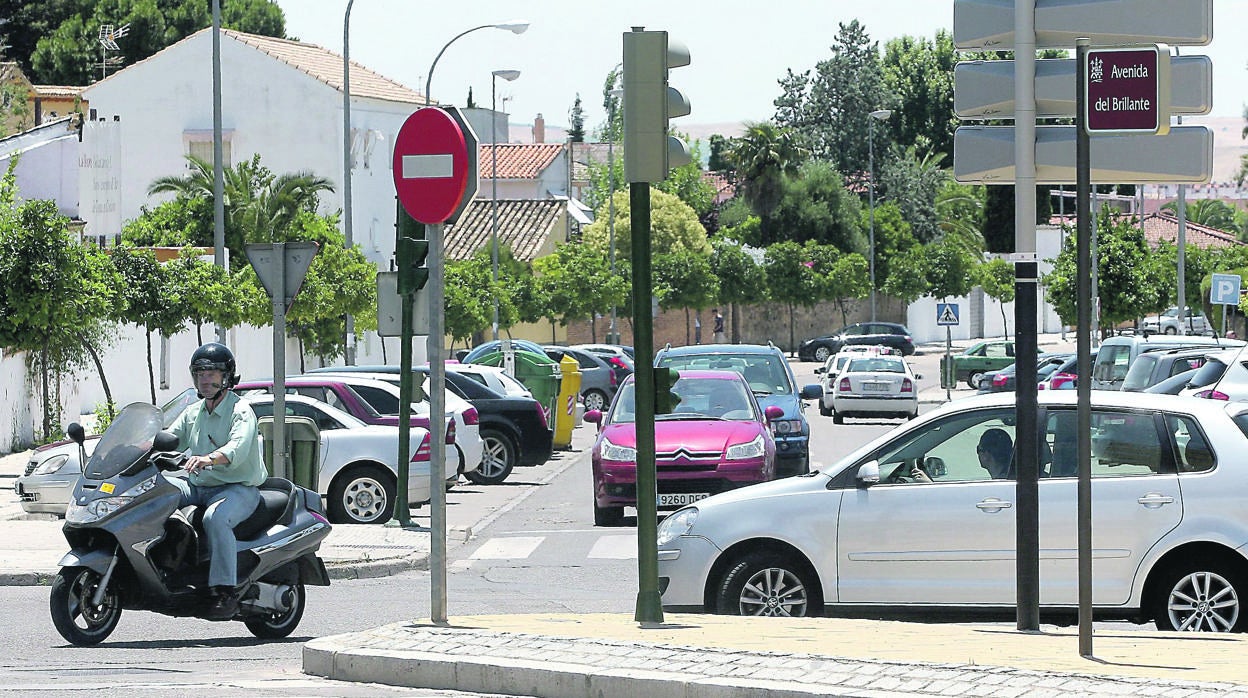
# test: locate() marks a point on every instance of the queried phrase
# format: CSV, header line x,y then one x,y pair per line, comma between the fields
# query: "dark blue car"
x,y
772,381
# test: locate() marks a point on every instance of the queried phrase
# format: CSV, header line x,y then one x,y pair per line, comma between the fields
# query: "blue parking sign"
x,y
1225,289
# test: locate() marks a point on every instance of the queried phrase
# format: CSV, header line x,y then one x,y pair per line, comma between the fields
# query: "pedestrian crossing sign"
x,y
947,314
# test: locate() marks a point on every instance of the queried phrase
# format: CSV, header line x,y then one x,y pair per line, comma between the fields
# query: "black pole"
x,y
1083,343
649,602
1026,448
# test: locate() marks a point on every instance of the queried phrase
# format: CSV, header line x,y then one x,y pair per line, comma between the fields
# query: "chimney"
x,y
539,129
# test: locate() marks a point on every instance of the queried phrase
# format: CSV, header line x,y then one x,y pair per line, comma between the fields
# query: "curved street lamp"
x,y
507,75
515,27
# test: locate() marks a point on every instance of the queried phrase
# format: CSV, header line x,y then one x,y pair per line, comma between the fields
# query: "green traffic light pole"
x,y
649,603
408,255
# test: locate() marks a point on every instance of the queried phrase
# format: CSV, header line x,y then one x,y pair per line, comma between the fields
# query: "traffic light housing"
x,y
410,251
649,152
665,399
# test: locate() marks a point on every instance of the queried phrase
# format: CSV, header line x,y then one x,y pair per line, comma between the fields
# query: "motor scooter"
x,y
132,547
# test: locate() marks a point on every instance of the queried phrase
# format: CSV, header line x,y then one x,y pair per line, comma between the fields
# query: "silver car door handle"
x,y
1154,500
992,504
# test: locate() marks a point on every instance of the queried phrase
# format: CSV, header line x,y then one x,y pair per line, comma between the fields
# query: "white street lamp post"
x,y
880,114
507,75
348,238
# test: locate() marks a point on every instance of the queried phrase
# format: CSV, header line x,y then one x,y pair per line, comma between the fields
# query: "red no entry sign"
x,y
431,165
1128,90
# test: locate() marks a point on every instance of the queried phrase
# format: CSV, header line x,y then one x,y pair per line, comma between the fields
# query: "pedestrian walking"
x,y
719,327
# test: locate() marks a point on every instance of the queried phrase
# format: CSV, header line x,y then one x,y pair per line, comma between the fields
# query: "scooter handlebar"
x,y
168,460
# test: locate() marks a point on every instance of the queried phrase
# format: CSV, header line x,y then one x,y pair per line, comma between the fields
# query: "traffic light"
x,y
665,399
410,251
649,152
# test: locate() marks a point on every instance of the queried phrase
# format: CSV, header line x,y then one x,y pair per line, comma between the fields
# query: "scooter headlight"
x,y
99,508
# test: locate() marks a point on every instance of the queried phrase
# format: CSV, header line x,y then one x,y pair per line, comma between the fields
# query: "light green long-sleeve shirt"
x,y
230,430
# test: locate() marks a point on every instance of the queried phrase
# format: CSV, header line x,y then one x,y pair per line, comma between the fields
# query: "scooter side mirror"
x,y
76,433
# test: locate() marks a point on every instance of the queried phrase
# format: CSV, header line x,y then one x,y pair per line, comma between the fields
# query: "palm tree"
x,y
762,155
1213,213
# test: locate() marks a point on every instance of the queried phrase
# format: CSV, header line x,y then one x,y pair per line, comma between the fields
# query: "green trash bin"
x,y
303,449
538,372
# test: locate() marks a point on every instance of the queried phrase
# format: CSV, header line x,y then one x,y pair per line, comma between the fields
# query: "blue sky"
x,y
739,48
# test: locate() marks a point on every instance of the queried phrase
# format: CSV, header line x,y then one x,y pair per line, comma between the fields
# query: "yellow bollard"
x,y
565,405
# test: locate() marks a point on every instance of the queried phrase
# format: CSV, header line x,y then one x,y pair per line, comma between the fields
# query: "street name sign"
x,y
1128,90
985,89
947,314
989,24
431,165
1224,290
985,155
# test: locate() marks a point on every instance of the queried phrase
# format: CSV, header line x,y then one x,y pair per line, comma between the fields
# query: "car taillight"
x,y
844,385
1213,395
999,381
450,431
470,416
612,379
907,386
541,414
422,452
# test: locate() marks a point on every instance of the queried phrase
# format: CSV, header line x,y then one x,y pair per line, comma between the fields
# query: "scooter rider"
x,y
224,469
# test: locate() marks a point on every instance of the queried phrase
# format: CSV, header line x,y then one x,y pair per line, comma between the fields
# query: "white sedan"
x,y
873,385
358,473
922,520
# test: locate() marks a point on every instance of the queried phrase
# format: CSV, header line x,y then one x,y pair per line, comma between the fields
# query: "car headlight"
x,y
787,426
676,525
99,508
611,451
51,465
753,449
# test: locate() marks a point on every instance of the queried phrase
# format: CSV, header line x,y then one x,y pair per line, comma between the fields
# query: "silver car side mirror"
x,y
869,473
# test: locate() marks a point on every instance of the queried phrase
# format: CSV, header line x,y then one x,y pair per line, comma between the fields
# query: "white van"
x,y
1116,354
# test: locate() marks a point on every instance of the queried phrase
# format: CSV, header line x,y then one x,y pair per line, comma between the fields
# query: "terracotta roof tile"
x,y
524,225
326,66
1163,226
518,160
58,90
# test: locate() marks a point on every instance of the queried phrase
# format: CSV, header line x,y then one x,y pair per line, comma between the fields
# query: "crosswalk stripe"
x,y
615,548
507,548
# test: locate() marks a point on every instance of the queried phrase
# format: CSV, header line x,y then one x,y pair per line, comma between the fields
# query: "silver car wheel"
x,y
1203,602
595,400
773,592
822,354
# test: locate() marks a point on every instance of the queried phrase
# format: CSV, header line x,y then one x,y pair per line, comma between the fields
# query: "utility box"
x,y
303,449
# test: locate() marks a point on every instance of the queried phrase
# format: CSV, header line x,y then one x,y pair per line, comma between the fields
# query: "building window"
x,y
199,144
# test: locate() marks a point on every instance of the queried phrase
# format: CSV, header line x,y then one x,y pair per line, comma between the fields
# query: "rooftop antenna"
x,y
108,42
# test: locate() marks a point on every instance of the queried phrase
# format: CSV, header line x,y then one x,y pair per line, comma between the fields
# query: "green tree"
x,y
996,277
815,206
674,227
718,160
576,120
908,279
960,211
65,51
829,111
685,280
998,224
687,183
469,307
151,298
791,278
205,291
951,272
892,239
914,183
181,222
741,279
578,282
849,280
761,157
56,296
919,74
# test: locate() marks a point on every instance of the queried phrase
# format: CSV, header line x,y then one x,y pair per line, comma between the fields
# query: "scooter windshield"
x,y
128,439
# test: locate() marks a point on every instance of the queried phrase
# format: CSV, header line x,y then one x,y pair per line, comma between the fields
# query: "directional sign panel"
x,y
947,314
985,155
985,89
1225,289
989,24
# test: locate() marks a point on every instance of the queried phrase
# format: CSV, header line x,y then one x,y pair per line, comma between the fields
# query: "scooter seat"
x,y
274,500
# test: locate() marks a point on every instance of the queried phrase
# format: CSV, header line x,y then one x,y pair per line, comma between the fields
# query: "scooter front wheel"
x,y
273,626
76,618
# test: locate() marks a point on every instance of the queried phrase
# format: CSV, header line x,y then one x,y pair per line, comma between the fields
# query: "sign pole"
x,y
1083,348
279,361
949,372
649,607
436,390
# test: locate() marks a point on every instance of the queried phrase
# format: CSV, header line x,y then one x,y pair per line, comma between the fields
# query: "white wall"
x,y
47,165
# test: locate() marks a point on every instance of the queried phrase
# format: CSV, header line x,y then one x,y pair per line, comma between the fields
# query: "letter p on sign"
x,y
1225,289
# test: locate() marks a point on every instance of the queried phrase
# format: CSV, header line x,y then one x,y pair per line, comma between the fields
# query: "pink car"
x,y
716,439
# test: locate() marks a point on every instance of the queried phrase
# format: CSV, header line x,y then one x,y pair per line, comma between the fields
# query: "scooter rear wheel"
x,y
274,626
75,617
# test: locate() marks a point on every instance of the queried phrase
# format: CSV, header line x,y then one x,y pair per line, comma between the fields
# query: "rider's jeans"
x,y
225,506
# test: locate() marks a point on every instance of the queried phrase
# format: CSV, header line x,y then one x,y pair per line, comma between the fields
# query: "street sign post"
x,y
431,165
989,24
281,268
985,155
1225,291
985,89
947,316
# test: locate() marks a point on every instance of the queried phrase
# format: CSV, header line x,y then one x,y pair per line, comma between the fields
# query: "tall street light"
x,y
880,114
507,75
435,346
613,98
348,238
